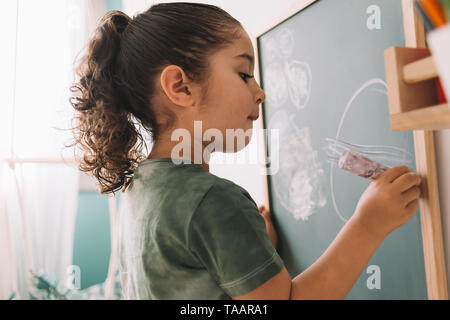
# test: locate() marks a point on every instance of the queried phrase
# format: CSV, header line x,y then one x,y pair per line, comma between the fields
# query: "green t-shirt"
x,y
188,234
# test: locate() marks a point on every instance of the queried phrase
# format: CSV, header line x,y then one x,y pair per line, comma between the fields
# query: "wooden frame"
x,y
436,278
430,215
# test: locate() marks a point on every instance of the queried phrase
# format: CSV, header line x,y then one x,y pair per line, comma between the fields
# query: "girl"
x,y
186,233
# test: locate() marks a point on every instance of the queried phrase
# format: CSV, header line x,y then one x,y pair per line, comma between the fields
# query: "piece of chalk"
x,y
360,165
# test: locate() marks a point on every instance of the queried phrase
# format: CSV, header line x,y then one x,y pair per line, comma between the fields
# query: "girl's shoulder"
x,y
225,193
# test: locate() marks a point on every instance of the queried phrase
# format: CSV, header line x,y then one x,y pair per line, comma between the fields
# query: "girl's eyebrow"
x,y
246,56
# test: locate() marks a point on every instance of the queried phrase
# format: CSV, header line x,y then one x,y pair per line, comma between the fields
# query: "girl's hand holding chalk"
x,y
389,201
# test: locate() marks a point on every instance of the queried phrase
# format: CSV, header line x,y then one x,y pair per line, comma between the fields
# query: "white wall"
x,y
251,13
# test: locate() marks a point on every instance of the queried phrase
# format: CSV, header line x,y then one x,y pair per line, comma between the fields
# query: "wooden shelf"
x,y
420,70
412,92
428,118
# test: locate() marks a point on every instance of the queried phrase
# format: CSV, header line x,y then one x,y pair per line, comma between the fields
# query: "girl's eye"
x,y
246,76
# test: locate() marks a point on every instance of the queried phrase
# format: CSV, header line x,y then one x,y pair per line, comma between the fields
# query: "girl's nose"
x,y
260,96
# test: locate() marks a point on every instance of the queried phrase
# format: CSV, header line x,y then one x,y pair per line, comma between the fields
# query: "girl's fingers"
x,y
411,194
263,210
407,181
393,173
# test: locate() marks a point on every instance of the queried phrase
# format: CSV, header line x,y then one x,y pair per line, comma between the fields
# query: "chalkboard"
x,y
323,72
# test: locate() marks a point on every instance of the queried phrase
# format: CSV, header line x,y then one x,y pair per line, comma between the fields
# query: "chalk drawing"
x,y
375,152
278,122
286,42
400,157
275,85
281,45
299,78
301,174
271,49
285,77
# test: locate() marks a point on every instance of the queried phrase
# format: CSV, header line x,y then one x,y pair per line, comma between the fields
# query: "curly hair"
x,y
117,74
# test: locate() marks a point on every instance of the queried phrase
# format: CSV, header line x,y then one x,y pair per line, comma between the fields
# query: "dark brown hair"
x,y
116,73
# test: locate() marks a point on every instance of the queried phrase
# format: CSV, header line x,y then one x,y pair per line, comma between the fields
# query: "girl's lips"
x,y
254,118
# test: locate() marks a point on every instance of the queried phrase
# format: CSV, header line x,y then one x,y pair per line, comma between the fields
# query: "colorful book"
x,y
434,11
426,22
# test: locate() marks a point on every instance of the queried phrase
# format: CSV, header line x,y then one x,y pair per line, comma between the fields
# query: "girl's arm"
x,y
385,205
333,275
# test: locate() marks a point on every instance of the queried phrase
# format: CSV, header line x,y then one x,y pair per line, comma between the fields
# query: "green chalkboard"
x,y
322,70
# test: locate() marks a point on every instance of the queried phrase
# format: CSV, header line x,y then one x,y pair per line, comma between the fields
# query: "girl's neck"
x,y
162,148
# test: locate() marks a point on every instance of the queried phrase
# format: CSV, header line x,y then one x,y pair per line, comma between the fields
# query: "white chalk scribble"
x,y
301,174
299,82
275,85
398,156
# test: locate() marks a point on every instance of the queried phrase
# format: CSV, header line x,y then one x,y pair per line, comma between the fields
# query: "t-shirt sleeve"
x,y
228,235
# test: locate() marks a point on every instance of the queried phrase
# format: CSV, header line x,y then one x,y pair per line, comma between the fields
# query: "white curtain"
x,y
38,201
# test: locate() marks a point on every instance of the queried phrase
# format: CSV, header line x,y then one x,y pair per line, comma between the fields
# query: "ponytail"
x,y
105,130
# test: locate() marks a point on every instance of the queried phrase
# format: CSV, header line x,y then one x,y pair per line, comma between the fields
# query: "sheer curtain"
x,y
38,192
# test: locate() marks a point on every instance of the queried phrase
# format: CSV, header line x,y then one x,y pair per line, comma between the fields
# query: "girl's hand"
x,y
389,201
269,226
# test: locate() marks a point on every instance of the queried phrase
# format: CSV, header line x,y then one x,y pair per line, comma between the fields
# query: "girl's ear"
x,y
177,87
